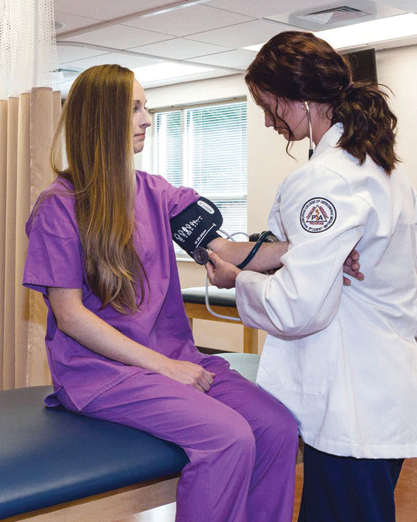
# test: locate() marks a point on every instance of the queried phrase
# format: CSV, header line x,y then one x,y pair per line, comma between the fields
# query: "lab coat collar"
x,y
329,139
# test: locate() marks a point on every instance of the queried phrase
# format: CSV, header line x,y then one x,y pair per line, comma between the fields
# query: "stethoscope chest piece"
x,y
200,255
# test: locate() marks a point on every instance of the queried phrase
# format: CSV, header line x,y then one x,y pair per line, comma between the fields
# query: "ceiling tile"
x,y
125,60
405,5
215,73
67,53
237,59
179,49
71,22
211,33
190,20
119,37
267,8
253,8
106,9
236,36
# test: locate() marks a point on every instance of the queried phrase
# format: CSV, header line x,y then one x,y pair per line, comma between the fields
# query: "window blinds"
x,y
205,147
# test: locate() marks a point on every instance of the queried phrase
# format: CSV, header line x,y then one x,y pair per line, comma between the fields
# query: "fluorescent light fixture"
x,y
353,35
166,71
255,48
390,28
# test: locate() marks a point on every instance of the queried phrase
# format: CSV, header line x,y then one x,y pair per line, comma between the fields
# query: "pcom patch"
x,y
317,215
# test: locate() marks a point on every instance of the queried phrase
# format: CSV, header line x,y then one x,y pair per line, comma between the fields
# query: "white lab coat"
x,y
342,359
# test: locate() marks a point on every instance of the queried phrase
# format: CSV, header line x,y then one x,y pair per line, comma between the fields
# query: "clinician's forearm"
x,y
268,256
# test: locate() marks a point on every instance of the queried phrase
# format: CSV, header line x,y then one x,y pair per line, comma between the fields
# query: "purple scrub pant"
x,y
240,441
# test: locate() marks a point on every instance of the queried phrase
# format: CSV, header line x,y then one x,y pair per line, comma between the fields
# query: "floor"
x,y
405,494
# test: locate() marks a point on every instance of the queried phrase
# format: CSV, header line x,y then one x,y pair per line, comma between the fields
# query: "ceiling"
x,y
208,36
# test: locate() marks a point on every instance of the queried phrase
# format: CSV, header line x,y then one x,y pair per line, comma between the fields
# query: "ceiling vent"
x,y
336,15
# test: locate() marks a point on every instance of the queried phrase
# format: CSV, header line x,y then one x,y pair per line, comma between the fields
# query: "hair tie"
x,y
348,88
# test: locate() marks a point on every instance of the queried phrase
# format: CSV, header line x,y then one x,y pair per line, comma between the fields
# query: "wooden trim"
x,y
250,340
199,311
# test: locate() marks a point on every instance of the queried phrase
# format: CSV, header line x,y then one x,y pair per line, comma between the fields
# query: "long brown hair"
x,y
96,120
299,66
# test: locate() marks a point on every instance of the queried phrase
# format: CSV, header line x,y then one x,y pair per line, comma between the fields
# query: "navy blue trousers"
x,y
345,489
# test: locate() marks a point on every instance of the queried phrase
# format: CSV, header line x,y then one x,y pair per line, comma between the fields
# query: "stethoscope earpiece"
x,y
310,128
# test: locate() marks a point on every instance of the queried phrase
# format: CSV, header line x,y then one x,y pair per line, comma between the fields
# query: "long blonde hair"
x,y
96,120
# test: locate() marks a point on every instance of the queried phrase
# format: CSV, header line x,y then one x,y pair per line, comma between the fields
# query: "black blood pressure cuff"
x,y
196,226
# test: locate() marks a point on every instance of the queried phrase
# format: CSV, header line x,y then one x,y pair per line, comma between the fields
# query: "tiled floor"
x,y
406,499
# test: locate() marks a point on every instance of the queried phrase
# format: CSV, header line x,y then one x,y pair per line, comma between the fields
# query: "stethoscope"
x,y
310,129
201,255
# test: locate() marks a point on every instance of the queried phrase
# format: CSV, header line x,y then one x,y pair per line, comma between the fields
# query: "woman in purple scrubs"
x,y
118,340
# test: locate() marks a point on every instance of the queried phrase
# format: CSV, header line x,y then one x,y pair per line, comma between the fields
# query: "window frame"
x,y
185,172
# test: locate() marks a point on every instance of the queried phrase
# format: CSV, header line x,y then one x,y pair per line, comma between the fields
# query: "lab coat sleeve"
x,y
303,297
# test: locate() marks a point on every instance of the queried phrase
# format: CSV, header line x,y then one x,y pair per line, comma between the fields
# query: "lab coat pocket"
x,y
304,365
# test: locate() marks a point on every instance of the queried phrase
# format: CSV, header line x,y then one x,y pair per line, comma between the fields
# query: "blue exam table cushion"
x,y
48,457
52,456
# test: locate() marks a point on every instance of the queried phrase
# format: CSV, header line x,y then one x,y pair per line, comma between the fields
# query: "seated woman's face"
x,y
140,117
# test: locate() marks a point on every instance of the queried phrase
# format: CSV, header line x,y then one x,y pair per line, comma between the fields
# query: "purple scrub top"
x,y
55,259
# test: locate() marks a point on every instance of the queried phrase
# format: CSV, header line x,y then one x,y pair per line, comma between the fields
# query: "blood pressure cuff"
x,y
196,226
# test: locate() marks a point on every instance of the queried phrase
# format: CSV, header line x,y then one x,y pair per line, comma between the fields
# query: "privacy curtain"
x,y
29,110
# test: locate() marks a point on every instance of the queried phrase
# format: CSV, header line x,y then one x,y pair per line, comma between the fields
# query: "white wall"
x,y
397,68
268,162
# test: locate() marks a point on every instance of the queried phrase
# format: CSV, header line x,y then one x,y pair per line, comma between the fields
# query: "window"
x,y
204,147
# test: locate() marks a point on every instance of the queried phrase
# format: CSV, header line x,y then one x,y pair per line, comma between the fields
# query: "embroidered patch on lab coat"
x,y
317,215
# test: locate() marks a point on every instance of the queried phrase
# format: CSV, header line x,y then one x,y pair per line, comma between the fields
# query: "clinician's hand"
x,y
221,273
351,267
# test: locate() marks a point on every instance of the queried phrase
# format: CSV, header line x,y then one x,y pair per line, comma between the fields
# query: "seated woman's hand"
x,y
188,373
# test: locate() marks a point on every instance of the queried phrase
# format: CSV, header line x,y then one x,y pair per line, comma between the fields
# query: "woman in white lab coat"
x,y
342,359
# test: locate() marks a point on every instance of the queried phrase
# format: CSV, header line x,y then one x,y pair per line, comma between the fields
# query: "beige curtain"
x,y
29,110
27,124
